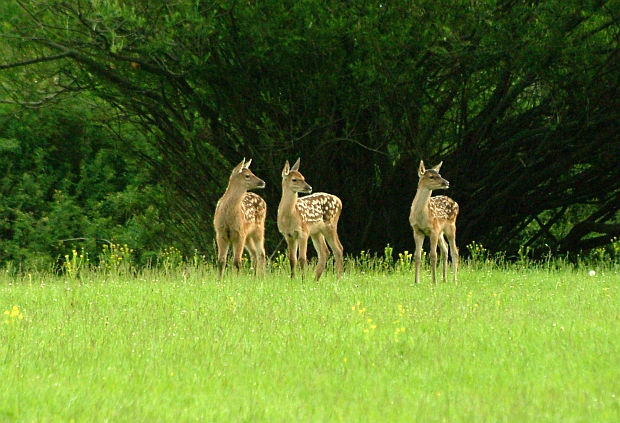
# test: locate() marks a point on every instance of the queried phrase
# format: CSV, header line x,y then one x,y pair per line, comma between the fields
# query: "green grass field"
x,y
504,345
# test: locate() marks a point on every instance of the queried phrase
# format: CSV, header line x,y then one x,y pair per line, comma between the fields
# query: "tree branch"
x,y
37,60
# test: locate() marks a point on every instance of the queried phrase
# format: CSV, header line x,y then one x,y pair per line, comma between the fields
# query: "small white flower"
x,y
591,273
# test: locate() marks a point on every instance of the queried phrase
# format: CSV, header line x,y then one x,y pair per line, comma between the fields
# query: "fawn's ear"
x,y
247,164
286,169
238,168
421,169
296,165
436,168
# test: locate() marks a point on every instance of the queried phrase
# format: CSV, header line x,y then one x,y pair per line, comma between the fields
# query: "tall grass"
x,y
508,343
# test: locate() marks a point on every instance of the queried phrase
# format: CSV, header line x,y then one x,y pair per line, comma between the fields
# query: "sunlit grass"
x,y
513,344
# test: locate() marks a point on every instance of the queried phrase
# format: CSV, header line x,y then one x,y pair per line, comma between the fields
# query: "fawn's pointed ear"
x,y
296,165
436,168
421,169
239,167
286,169
247,164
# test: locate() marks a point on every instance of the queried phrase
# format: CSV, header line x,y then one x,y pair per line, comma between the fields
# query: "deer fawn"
x,y
434,217
315,216
240,220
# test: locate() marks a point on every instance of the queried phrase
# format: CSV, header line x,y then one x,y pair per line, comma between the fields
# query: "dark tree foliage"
x,y
520,99
64,186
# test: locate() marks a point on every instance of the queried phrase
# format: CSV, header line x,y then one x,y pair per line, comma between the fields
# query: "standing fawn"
x,y
240,220
315,216
434,217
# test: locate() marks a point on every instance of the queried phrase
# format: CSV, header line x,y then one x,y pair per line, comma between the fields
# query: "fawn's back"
x,y
443,208
253,208
320,208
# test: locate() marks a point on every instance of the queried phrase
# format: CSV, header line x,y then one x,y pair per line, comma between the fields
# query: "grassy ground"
x,y
518,344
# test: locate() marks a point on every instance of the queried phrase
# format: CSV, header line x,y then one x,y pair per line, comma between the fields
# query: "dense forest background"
x,y
121,120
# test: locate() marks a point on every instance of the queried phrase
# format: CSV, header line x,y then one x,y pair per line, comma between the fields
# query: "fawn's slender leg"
x,y
222,252
418,237
433,255
257,237
260,255
454,253
323,252
336,246
292,253
250,245
238,246
303,258
444,256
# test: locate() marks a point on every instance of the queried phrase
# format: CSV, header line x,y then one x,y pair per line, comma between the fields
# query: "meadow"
x,y
508,343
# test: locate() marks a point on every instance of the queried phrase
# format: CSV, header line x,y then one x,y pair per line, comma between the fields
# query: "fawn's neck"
x,y
288,202
288,214
233,196
419,207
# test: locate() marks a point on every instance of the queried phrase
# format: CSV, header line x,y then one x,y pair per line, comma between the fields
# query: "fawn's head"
x,y
430,178
242,175
293,180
